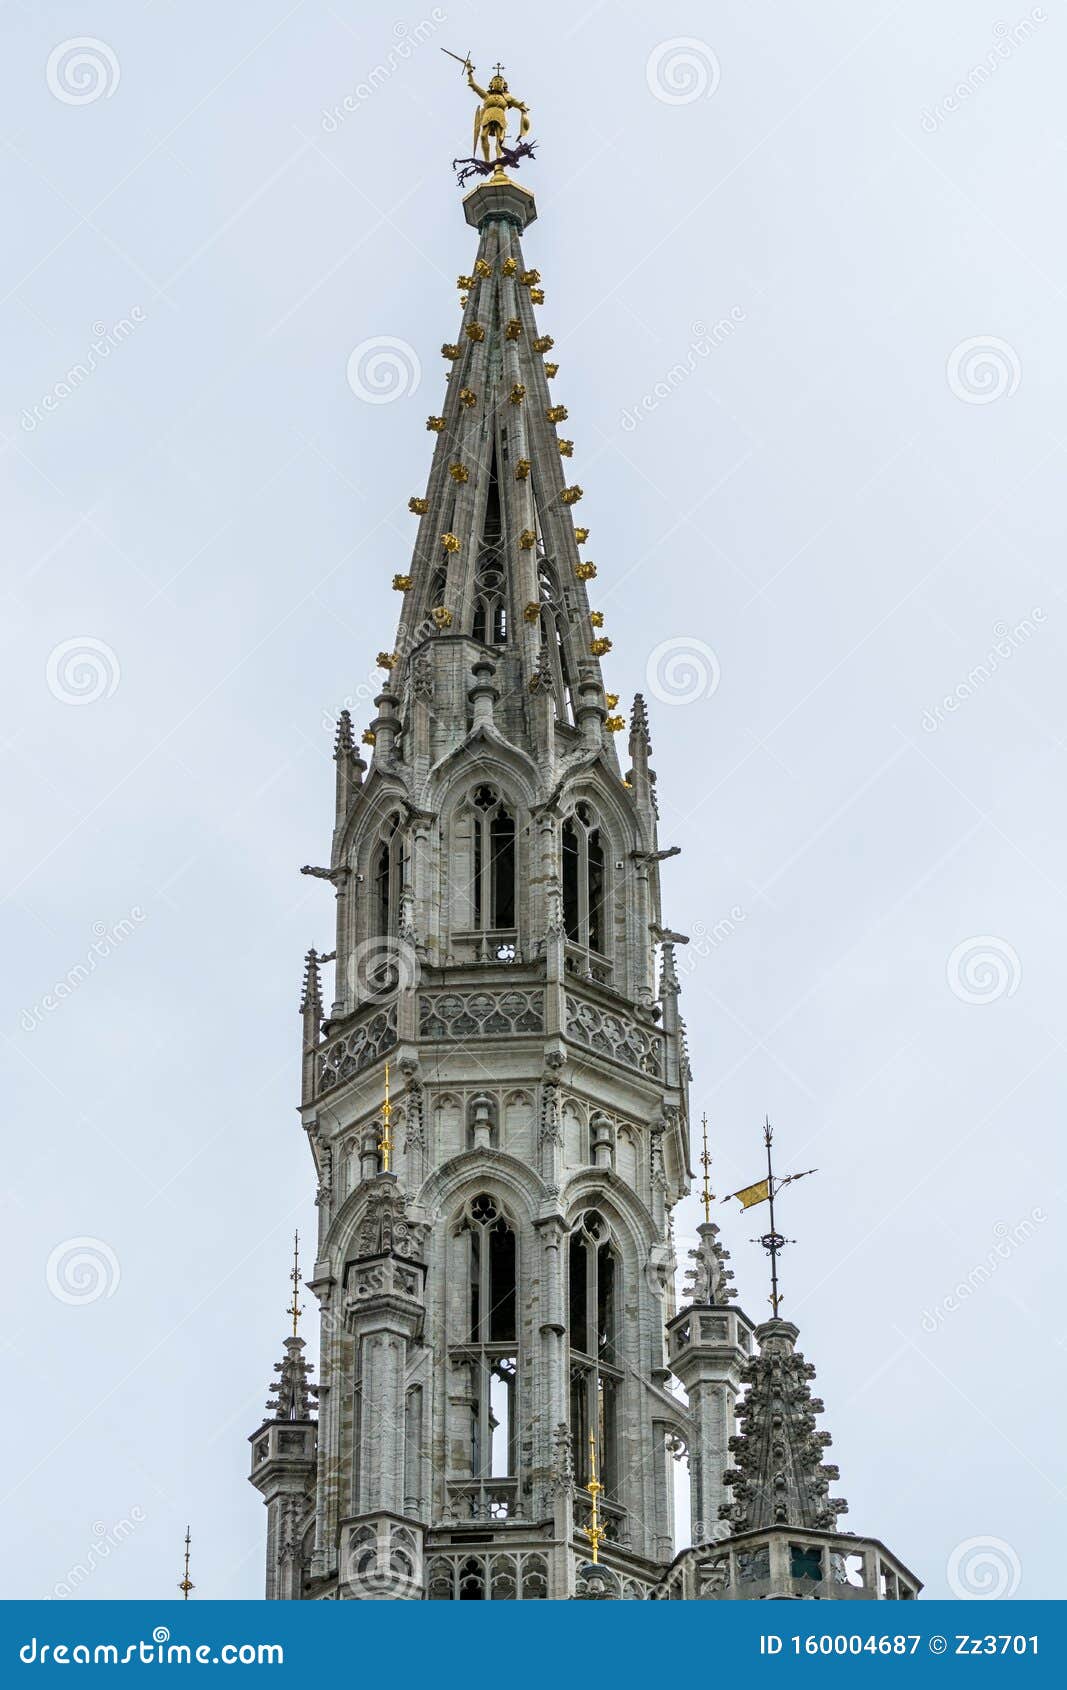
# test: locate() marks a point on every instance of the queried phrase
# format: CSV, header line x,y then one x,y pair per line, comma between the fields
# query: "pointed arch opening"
x,y
584,865
387,878
593,1306
554,640
490,622
484,1361
483,869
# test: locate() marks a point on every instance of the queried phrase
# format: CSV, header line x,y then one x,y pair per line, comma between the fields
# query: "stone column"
x,y
706,1348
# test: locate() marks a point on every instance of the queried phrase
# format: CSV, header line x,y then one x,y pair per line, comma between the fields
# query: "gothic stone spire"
x,y
292,1391
496,558
780,1478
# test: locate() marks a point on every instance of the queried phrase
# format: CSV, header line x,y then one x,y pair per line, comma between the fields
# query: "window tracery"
x,y
494,861
584,880
596,1373
487,1346
387,878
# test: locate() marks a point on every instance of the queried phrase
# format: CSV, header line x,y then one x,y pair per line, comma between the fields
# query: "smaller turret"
x,y
350,767
284,1458
780,1478
311,1014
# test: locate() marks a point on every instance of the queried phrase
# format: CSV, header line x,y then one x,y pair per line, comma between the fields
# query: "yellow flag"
x,y
750,1194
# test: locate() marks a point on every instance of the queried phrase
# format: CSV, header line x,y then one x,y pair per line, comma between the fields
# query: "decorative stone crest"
x,y
780,1479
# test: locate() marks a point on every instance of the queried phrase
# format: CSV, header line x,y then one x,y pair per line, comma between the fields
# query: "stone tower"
x,y
494,1264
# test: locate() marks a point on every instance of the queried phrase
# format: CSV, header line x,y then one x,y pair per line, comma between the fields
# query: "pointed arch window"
x,y
387,878
490,623
584,880
493,866
486,1348
596,1375
554,639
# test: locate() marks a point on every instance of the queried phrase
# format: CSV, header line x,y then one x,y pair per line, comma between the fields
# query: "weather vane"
x,y
765,1191
491,127
186,1584
295,1308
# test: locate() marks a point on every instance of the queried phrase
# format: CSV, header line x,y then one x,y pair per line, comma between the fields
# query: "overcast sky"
x,y
803,272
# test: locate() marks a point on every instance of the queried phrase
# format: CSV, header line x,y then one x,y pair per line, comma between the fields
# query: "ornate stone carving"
x,y
352,1051
386,1228
292,1393
780,1479
324,1190
416,1102
597,1583
422,678
474,1014
562,1459
616,1036
708,1280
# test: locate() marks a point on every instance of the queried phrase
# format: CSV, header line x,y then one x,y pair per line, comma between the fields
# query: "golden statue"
x,y
491,118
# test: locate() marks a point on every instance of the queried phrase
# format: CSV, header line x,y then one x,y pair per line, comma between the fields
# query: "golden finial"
x,y
594,1531
491,119
186,1584
385,1143
295,1308
705,1162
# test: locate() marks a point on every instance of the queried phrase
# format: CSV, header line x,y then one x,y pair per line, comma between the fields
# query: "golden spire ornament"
x,y
705,1162
385,1143
186,1584
295,1308
594,1531
491,126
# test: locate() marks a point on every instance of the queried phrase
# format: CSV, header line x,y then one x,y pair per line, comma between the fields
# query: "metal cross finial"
x,y
498,70
385,1143
594,1531
705,1162
186,1584
772,1240
295,1308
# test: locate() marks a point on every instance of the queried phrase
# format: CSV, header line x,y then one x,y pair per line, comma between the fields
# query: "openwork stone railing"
x,y
457,1575
617,1036
787,1561
483,1499
352,1051
478,1013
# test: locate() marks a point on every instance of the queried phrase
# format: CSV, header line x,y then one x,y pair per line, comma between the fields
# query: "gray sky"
x,y
836,507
